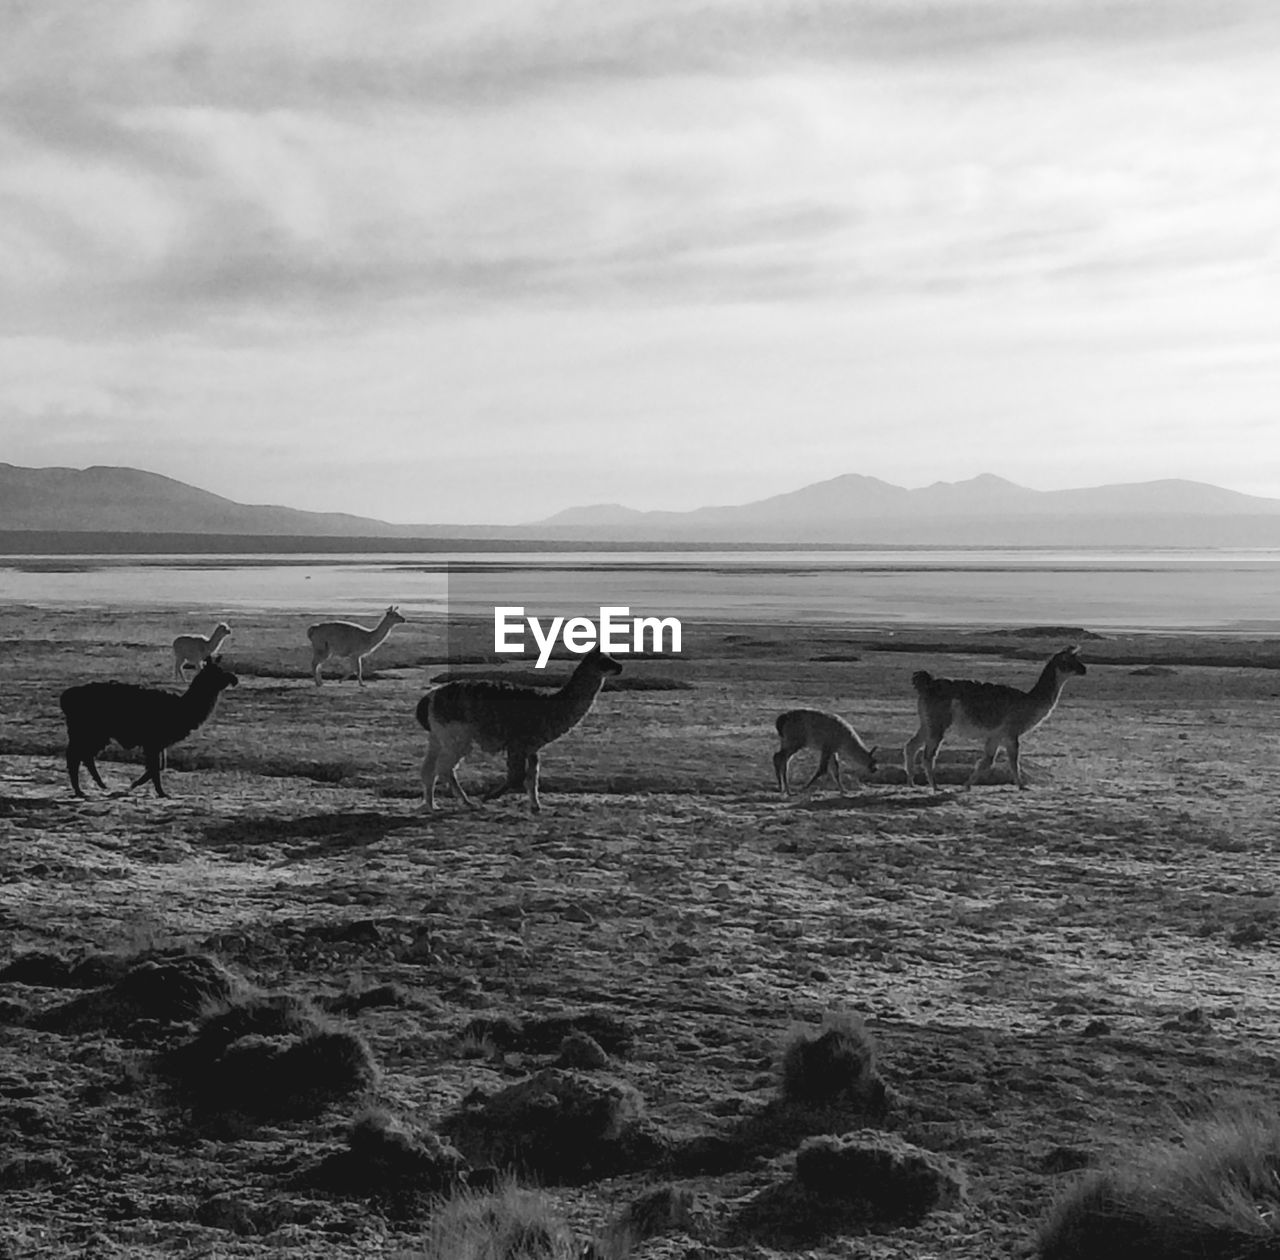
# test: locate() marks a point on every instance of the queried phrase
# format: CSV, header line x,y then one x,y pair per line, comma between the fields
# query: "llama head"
x,y
212,671
1068,661
601,662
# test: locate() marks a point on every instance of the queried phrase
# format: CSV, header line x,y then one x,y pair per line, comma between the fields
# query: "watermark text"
x,y
617,633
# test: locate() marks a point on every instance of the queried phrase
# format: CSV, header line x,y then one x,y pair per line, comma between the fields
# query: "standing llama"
x,y
502,716
830,736
997,715
134,716
348,640
193,650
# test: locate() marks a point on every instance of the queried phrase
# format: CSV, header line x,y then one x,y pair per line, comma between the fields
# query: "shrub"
x,y
836,1060
887,1177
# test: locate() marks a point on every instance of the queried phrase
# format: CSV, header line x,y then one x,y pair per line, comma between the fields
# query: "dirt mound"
x,y
268,1057
557,1125
151,995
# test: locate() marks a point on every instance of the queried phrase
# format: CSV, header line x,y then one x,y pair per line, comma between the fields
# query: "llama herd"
x,y
519,721
995,714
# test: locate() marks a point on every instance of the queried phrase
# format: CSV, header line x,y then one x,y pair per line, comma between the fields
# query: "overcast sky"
x,y
480,260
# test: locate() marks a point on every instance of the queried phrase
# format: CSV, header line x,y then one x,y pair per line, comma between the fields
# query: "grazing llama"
x,y
191,649
134,716
829,735
502,716
997,715
348,640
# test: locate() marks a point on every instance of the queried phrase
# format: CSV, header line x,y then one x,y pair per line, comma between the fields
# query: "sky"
x,y
481,260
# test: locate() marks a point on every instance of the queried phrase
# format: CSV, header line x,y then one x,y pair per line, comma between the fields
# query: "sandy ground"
x,y
1050,975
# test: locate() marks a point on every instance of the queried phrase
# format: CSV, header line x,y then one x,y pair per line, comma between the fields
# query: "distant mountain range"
x,y
851,509
103,499
984,509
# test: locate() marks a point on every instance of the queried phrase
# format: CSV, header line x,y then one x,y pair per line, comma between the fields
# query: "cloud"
x,y
166,161
292,53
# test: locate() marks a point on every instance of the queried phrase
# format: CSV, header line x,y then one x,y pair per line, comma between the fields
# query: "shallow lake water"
x,y
1220,591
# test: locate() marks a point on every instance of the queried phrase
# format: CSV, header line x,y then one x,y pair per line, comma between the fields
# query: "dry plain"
x,y
1049,975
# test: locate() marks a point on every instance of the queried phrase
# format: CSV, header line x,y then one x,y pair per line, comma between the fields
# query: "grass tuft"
x,y
508,1223
1213,1194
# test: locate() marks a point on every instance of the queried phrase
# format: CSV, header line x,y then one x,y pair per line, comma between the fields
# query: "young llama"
x,y
194,650
997,715
502,716
830,736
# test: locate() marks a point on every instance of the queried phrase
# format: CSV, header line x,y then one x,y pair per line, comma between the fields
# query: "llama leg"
x,y
930,757
781,769
441,762
983,764
89,765
910,751
73,769
152,772
516,777
159,759
316,661
444,752
531,780
429,765
155,763
360,670
456,788
835,773
178,675
1014,764
453,755
824,765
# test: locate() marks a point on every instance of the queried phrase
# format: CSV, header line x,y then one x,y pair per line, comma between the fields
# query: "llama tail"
x,y
423,712
778,723
922,680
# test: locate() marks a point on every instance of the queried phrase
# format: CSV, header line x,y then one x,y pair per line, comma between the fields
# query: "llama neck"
x,y
381,630
1048,687
568,706
195,705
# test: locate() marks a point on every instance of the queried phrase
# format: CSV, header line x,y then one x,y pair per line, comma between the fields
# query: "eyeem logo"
x,y
615,635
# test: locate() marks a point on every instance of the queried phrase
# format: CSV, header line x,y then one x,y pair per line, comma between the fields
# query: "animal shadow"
x,y
826,804
331,833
